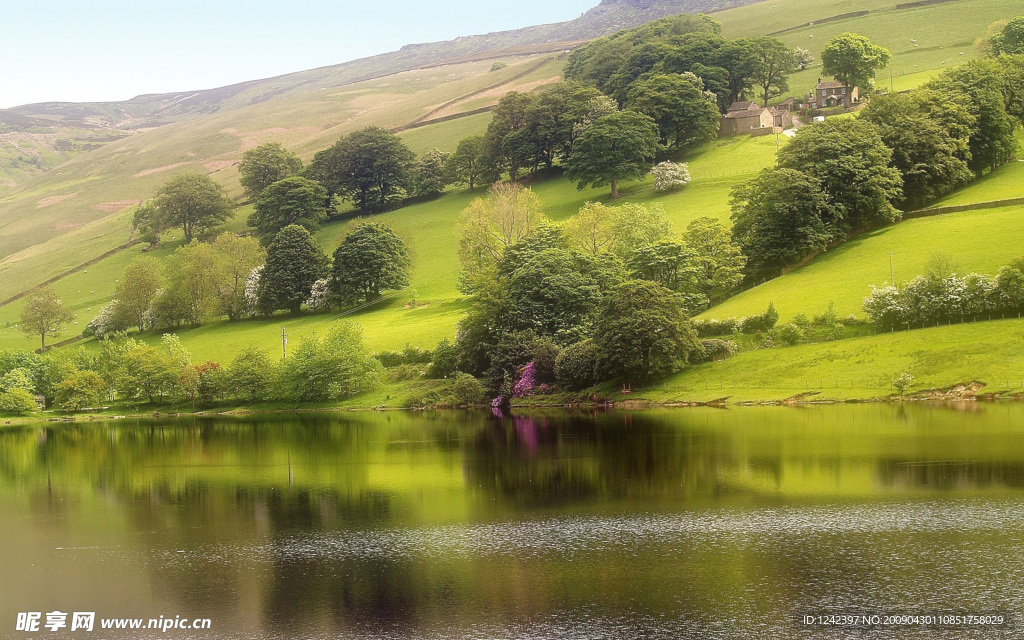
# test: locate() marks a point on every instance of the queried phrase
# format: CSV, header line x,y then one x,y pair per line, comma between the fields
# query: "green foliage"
x,y
852,59
194,202
369,260
902,383
430,174
81,389
292,200
136,289
762,322
18,401
678,105
147,373
780,217
190,297
576,365
45,315
334,367
295,260
472,163
1010,41
20,378
265,165
642,333
371,167
788,334
928,156
251,376
715,261
616,147
621,230
235,258
444,363
467,390
554,293
775,62
852,164
666,262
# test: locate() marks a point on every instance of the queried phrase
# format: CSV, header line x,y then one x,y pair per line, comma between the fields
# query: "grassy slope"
x,y
990,352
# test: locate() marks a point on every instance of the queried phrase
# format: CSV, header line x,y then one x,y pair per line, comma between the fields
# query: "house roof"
x,y
788,101
745,105
831,84
736,115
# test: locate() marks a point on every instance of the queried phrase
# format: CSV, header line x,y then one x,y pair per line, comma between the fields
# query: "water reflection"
x,y
696,523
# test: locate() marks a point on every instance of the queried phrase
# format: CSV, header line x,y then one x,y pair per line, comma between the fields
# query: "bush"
x,y
669,175
788,334
19,378
712,328
576,366
404,372
408,355
251,376
467,390
714,350
17,401
761,323
930,300
331,368
444,362
498,66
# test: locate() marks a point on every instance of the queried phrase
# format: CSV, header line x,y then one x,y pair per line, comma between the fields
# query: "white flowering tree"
x,y
670,175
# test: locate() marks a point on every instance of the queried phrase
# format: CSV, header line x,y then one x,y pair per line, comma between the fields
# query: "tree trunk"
x,y
43,347
615,188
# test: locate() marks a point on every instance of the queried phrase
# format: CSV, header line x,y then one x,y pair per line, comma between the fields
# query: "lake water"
x,y
696,523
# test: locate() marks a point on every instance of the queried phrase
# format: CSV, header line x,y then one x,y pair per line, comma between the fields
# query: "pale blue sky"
x,y
114,50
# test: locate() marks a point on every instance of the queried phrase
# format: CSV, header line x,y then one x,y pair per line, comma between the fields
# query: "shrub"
x,y
902,383
404,372
17,401
711,328
19,378
788,334
251,376
576,366
331,368
319,299
761,323
498,66
714,350
669,175
444,362
107,321
467,390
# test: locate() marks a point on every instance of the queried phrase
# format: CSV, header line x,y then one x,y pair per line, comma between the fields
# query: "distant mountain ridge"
x,y
146,111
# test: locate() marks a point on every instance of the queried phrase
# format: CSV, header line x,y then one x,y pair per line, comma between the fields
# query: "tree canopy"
x,y
193,202
617,147
371,167
295,260
265,165
292,200
678,105
44,315
369,260
853,60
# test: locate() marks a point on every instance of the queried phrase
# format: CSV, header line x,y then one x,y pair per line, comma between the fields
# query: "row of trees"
x,y
902,151
329,367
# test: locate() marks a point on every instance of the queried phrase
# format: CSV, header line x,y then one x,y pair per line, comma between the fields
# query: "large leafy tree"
x,y
553,293
851,162
137,288
620,230
236,257
853,60
368,261
1009,41
775,61
293,200
330,368
45,314
295,260
371,167
780,217
265,165
616,147
472,163
430,174
193,202
927,155
509,119
642,332
190,297
716,261
679,106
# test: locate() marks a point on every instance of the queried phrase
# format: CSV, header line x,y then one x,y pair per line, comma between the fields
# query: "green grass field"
x,y
859,368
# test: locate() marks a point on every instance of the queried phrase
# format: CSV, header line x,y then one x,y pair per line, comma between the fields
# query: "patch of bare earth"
x,y
168,167
111,207
52,200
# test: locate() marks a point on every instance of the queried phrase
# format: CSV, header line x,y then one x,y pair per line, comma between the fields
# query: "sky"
x,y
84,51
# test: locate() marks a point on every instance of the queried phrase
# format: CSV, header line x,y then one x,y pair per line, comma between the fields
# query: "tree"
x,y
371,167
147,372
236,257
45,315
295,260
670,175
616,147
138,287
780,217
193,202
430,175
509,117
666,262
492,224
803,57
334,367
1009,41
251,375
621,230
683,113
642,332
715,260
293,200
852,164
852,59
775,61
554,293
265,165
191,295
928,157
472,164
369,260
81,389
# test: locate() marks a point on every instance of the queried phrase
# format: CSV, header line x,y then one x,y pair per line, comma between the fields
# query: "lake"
x,y
687,523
